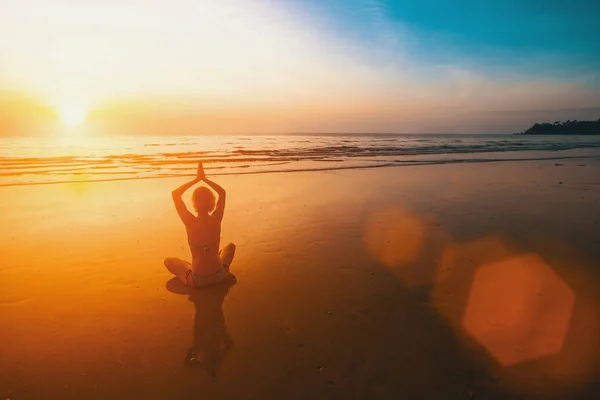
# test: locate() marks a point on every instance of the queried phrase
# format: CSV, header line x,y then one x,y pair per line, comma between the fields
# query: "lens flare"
x,y
519,309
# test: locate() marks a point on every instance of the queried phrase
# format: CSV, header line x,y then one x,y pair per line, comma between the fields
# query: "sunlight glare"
x,y
73,115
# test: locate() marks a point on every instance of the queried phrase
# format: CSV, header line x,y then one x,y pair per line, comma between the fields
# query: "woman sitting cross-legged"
x,y
209,264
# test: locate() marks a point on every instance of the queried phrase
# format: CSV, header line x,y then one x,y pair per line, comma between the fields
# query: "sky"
x,y
172,67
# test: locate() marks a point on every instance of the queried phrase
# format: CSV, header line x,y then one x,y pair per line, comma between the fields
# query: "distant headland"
x,y
564,128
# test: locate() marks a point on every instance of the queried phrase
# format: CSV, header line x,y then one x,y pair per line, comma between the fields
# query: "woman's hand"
x,y
200,174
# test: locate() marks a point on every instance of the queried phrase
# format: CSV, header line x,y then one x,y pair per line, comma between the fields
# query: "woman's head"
x,y
203,199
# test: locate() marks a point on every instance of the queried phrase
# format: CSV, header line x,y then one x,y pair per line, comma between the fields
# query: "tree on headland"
x,y
564,128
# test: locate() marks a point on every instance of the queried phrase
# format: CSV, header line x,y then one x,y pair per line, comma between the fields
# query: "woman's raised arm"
x,y
185,215
220,206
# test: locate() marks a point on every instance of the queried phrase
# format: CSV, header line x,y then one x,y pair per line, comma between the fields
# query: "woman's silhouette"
x,y
209,265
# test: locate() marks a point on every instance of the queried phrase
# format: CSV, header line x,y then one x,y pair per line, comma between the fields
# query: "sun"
x,y
73,115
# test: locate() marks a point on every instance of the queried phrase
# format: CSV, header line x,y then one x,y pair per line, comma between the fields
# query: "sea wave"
x,y
44,162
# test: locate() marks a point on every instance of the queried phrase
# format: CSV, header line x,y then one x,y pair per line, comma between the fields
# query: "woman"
x,y
209,265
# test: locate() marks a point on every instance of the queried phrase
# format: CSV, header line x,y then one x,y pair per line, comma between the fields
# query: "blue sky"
x,y
490,33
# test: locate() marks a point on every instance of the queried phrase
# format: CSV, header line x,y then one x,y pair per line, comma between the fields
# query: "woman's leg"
x,y
178,267
226,254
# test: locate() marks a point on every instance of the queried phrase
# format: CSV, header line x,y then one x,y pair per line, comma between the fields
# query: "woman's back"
x,y
204,236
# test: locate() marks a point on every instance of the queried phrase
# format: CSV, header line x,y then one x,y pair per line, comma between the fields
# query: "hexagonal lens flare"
x,y
519,309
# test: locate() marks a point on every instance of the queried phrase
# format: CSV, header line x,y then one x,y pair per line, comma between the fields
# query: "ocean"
x,y
30,161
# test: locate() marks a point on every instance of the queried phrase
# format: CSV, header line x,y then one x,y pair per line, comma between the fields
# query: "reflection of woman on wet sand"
x,y
211,340
209,265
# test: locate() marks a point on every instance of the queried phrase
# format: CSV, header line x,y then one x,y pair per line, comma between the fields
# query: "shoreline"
x,y
384,162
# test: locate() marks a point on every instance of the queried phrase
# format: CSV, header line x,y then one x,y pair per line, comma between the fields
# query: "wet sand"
x,y
425,282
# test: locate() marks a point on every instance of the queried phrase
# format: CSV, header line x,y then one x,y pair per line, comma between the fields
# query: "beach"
x,y
299,199
391,282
